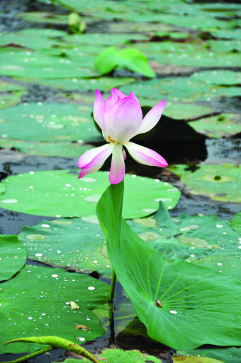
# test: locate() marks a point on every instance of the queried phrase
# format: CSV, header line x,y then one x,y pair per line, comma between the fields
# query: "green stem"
x,y
31,355
112,288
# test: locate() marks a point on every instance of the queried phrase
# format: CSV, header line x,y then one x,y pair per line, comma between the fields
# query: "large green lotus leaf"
x,y
37,302
13,256
219,182
71,243
83,84
48,122
224,77
218,126
236,223
120,356
189,295
230,265
60,193
24,63
209,234
227,355
64,149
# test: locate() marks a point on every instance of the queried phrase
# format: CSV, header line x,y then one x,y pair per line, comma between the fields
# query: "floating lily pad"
x,y
48,122
43,17
43,307
120,356
23,63
71,243
10,99
193,359
218,126
64,149
219,182
218,77
62,194
83,84
236,223
13,256
227,355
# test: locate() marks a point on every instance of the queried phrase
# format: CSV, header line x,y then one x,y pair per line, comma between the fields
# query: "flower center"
x,y
109,139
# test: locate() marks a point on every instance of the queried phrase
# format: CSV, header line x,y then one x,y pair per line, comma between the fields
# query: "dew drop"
x,y
54,275
38,254
173,311
92,198
45,225
219,225
35,237
219,264
80,339
91,288
87,179
162,200
9,201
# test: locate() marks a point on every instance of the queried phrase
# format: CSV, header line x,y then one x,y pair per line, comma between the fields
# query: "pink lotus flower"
x,y
120,119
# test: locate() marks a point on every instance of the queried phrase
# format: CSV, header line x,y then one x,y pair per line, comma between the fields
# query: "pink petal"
x,y
99,109
124,120
124,153
86,171
152,118
95,157
117,170
120,94
115,95
146,156
134,97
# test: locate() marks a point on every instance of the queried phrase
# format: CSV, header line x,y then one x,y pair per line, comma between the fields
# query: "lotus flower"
x,y
120,119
